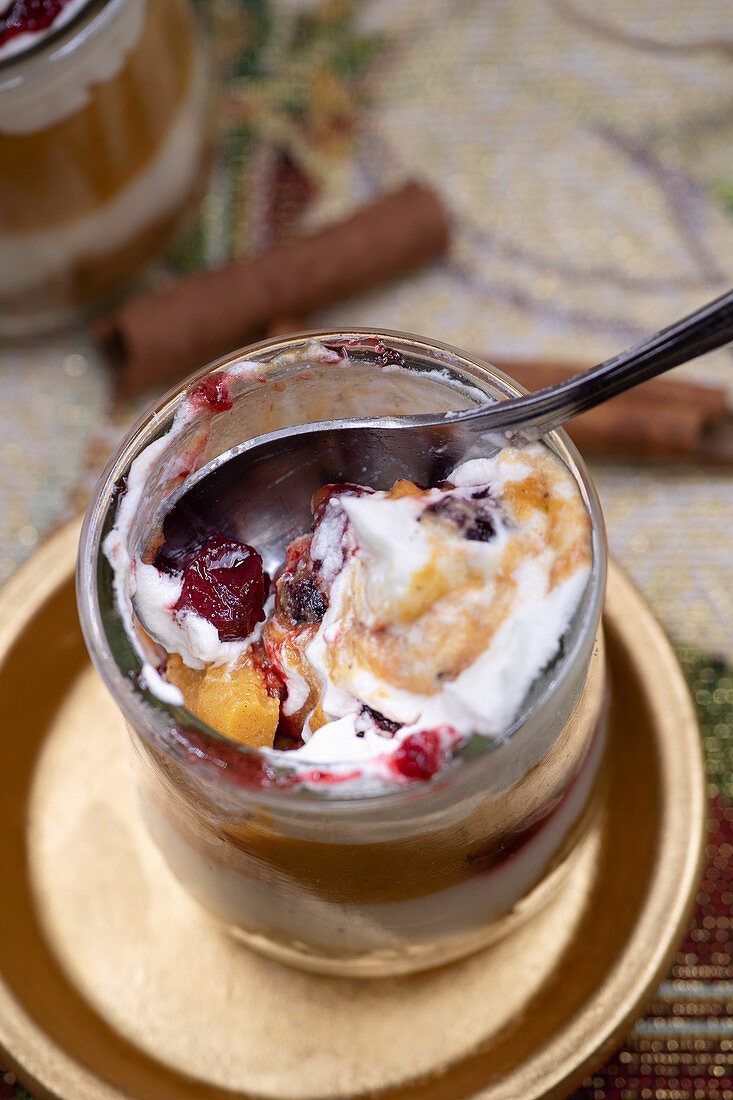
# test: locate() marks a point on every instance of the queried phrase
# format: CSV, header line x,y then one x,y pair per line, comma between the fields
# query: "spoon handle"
x,y
707,328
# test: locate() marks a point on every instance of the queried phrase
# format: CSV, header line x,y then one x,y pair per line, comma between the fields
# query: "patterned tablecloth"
x,y
585,152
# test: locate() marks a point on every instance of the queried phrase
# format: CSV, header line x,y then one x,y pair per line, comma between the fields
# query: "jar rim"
x,y
61,41
140,708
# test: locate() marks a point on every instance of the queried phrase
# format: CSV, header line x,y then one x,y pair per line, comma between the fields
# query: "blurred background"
x,y
584,155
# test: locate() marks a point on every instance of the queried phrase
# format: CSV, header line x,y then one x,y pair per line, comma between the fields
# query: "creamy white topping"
x,y
411,581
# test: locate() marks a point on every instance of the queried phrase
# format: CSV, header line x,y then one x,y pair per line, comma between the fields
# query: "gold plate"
x,y
114,985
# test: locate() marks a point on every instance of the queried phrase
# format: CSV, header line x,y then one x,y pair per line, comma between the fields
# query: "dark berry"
x,y
386,356
184,532
481,530
419,756
22,16
225,583
298,598
119,488
381,720
472,519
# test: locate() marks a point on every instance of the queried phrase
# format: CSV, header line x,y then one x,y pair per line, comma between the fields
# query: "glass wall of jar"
x,y
101,139
388,880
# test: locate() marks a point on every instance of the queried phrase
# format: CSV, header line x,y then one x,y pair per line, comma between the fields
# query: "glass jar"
x,y
101,140
396,880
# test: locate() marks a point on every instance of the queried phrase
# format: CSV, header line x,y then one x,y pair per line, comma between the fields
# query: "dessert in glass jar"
x,y
101,138
373,746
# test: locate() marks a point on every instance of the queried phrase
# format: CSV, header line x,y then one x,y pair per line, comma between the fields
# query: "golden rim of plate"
x,y
637,911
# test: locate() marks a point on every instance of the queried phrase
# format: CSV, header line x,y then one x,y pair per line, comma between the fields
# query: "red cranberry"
x,y
225,583
419,756
28,16
213,393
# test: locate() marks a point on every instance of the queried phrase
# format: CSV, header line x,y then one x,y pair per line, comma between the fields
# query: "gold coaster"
x,y
114,984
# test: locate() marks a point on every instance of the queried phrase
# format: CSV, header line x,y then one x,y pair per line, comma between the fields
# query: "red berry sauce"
x,y
247,769
419,756
213,394
384,356
28,17
225,583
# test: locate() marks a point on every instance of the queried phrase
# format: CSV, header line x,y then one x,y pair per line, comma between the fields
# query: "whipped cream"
x,y
438,631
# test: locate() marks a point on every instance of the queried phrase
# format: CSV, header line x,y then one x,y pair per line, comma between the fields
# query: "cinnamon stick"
x,y
658,419
159,336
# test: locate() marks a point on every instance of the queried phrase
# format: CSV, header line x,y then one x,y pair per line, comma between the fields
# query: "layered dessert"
x,y
100,147
404,623
381,748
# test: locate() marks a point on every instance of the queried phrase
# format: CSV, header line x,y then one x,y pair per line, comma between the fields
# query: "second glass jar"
x,y
101,154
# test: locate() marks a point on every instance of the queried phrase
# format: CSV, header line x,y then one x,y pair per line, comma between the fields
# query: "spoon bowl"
x,y
260,490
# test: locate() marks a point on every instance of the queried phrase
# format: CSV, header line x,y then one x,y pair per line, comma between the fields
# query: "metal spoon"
x,y
260,490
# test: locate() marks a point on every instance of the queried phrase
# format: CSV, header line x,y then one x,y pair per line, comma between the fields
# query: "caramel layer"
x,y
52,176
